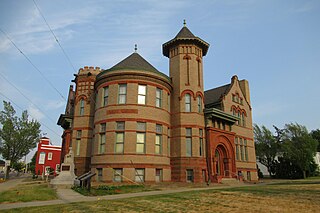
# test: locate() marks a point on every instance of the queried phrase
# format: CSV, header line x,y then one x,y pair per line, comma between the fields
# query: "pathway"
x,y
70,196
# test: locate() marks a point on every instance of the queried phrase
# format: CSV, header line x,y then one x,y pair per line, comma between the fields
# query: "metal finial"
x,y
184,22
135,48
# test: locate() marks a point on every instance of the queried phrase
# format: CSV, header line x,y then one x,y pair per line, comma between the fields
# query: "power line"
x,y
55,37
33,64
29,115
25,96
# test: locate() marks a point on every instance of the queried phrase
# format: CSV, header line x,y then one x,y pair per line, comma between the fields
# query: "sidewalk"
x,y
11,183
70,196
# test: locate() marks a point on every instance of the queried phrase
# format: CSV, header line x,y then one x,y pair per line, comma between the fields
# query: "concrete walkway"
x,y
70,196
11,183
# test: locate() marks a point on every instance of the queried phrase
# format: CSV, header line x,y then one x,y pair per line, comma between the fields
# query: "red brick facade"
x,y
131,122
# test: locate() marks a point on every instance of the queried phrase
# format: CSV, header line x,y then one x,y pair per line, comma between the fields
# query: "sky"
x,y
273,44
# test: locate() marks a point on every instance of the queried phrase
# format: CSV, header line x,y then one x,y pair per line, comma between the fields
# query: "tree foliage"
x,y
315,134
298,146
18,135
267,147
287,154
33,163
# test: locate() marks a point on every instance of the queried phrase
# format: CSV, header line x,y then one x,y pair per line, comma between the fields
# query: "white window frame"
x,y
187,98
189,142
158,97
142,94
122,96
81,109
105,95
50,155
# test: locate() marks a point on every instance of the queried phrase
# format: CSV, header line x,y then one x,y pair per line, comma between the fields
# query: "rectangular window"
x,y
158,145
158,175
241,149
159,97
200,142
188,142
141,140
199,99
139,175
120,125
117,175
81,107
102,143
99,176
78,141
42,157
105,96
243,120
119,142
141,126
188,102
168,142
245,150
141,137
50,156
237,148
189,175
122,94
142,92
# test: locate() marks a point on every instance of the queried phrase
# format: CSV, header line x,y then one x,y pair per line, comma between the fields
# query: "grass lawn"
x,y
110,190
293,196
27,193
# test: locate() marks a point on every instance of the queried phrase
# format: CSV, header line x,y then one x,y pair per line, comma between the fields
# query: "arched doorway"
x,y
221,161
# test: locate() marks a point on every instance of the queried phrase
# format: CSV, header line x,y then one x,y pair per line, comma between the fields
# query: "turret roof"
x,y
185,36
134,61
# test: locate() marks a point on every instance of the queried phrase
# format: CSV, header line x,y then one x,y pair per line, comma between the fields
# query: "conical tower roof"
x,y
185,36
185,33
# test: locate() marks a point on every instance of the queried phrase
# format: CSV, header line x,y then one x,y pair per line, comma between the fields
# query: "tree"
x,y
315,134
32,164
18,135
298,146
267,147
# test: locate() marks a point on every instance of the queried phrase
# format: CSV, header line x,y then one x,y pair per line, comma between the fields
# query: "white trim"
x,y
44,148
51,146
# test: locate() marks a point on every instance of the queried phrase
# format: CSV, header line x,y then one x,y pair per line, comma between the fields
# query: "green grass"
x,y
110,190
27,193
292,196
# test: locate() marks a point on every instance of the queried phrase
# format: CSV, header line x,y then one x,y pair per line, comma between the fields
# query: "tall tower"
x,y
82,126
188,157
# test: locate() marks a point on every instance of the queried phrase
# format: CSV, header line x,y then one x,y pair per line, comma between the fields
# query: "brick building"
x,y
48,157
132,122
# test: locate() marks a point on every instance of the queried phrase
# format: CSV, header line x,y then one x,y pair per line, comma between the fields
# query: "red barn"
x,y
48,157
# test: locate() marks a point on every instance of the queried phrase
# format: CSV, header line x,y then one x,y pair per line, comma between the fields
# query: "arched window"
x,y
81,107
188,102
199,100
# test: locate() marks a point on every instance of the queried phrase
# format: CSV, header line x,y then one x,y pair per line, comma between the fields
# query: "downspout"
x,y
207,152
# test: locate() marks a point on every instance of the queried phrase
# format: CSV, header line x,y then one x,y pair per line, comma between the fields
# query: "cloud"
x,y
54,104
32,35
305,7
35,113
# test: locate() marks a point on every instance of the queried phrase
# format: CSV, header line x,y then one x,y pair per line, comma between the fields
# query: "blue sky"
x,y
273,44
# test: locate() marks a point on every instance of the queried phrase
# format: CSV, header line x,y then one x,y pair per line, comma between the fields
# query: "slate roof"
x,y
185,33
185,36
134,61
213,96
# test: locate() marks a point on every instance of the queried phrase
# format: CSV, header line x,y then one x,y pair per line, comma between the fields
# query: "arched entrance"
x,y
221,162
